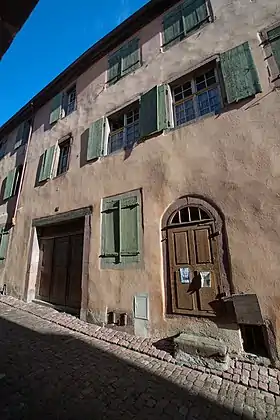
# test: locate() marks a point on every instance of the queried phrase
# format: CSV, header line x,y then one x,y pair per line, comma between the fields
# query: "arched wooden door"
x,y
193,261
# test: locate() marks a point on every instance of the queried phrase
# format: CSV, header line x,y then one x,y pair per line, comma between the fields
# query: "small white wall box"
x,y
141,306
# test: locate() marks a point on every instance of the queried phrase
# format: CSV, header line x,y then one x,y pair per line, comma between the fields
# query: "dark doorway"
x,y
60,265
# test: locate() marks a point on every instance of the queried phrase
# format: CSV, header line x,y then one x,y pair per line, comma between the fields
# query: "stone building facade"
x,y
141,187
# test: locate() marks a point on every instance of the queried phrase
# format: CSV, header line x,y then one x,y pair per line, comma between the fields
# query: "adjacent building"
x,y
141,187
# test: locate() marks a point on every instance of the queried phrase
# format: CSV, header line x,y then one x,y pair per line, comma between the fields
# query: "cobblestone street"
x,y
52,372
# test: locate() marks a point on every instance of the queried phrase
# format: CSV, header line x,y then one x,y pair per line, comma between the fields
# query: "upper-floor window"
x,y
124,61
124,129
271,43
63,158
195,97
184,19
70,100
3,143
22,134
12,182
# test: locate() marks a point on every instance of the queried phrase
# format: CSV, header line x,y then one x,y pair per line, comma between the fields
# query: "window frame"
x,y
121,265
272,67
190,77
122,113
60,145
210,18
67,94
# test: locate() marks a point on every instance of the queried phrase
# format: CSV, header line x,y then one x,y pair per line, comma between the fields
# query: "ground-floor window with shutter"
x,y
121,233
193,264
4,242
124,129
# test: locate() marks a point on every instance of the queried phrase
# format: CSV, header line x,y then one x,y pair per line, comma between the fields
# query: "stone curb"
x,y
246,374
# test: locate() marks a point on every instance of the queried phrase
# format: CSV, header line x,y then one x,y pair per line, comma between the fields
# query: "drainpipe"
x,y
23,166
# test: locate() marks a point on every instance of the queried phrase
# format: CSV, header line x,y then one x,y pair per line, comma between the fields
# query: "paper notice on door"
x,y
205,278
185,275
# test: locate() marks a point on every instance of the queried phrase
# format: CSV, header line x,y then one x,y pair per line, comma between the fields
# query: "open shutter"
x,y
47,164
56,108
239,72
95,140
114,67
194,13
130,56
172,26
129,227
4,245
274,39
10,183
110,241
153,115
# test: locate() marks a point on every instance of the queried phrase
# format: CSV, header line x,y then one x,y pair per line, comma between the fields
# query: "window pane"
x,y
64,150
178,94
175,219
115,142
132,134
194,213
204,215
210,77
200,82
184,112
209,101
71,101
185,217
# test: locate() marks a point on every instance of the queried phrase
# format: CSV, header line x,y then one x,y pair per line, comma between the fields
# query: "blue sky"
x,y
56,33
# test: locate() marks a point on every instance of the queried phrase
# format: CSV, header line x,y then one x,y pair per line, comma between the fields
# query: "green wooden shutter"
x,y
130,230
110,241
194,13
47,164
153,115
114,67
130,56
19,136
10,183
56,108
95,140
4,245
274,39
239,72
172,26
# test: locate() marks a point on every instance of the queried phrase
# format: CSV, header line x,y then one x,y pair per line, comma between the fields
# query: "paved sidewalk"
x,y
248,374
51,372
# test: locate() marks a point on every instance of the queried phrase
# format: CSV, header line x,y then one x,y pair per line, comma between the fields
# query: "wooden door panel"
x,y
181,247
59,271
45,269
74,292
202,246
184,300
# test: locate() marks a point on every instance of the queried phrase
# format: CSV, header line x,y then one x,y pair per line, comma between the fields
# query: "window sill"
x,y
196,120
109,84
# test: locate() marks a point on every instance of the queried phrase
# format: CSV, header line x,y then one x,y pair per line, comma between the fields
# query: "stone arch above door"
x,y
183,222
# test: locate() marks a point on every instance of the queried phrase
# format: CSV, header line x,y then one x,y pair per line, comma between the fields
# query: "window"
x,y
124,130
12,182
121,230
124,61
4,242
22,134
3,144
70,100
63,159
254,341
184,19
196,97
271,43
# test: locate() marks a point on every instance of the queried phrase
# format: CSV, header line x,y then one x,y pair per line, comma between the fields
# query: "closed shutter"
x,y
4,245
22,134
56,108
172,26
239,72
110,241
274,39
129,229
114,67
153,115
194,13
10,183
47,164
95,140
130,57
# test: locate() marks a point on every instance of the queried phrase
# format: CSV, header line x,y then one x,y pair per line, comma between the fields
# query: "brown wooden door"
x,y
193,269
60,272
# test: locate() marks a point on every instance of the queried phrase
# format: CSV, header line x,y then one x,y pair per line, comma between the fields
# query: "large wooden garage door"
x,y
60,269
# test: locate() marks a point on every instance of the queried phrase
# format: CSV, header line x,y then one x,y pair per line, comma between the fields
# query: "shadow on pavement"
x,y
52,376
